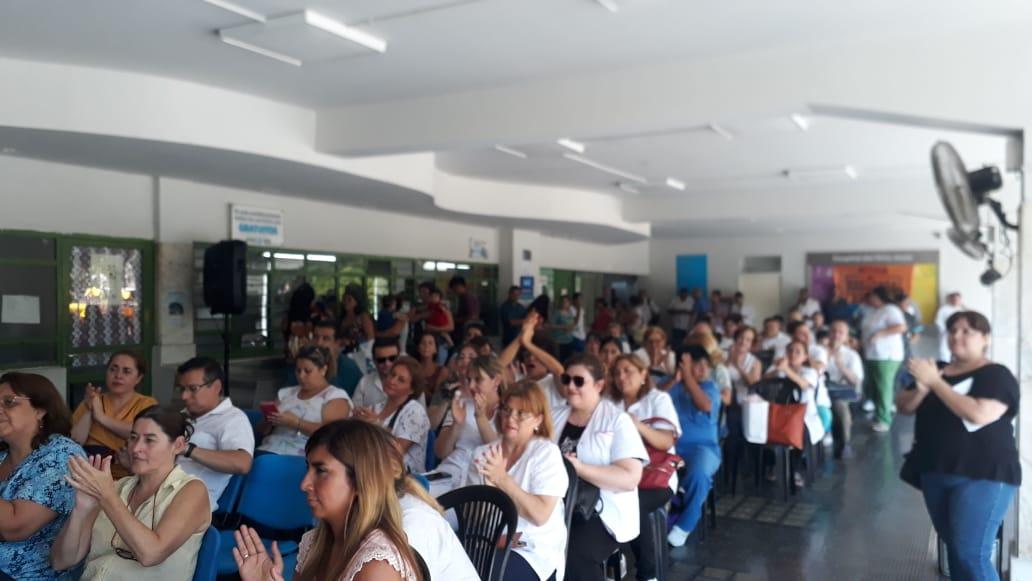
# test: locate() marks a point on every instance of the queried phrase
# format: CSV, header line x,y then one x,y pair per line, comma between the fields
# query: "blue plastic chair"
x,y
431,456
208,556
272,500
256,417
228,500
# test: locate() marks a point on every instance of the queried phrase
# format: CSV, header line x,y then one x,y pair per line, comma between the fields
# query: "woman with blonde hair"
x,y
654,416
526,465
471,422
721,376
351,487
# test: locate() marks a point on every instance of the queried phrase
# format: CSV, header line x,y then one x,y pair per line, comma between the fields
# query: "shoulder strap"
x,y
394,418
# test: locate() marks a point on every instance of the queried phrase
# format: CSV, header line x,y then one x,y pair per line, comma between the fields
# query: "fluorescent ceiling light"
x,y
463,267
445,266
572,145
429,265
266,255
511,151
237,9
801,122
322,258
825,173
346,32
628,188
288,256
259,50
608,169
609,5
721,131
675,183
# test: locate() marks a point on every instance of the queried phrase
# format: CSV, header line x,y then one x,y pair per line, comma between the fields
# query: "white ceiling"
x,y
468,44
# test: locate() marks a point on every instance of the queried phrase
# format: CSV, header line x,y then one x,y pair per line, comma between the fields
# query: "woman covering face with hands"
x,y
964,459
471,422
526,465
121,528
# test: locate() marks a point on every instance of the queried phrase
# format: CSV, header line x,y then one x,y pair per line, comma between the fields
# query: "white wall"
x,y
629,258
956,271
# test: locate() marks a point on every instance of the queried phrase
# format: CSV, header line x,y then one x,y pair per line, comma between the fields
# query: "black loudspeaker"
x,y
225,277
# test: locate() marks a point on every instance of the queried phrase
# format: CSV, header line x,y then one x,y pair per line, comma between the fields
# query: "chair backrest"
x,y
272,494
231,494
485,514
255,417
766,357
431,456
208,556
570,500
777,390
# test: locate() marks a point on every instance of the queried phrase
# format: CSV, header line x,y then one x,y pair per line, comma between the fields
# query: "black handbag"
x,y
842,391
587,499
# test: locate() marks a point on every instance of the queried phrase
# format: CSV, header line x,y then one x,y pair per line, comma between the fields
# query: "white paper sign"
x,y
256,226
19,310
107,273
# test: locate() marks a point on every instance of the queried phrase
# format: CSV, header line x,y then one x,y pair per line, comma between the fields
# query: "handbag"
x,y
755,416
842,391
662,464
785,425
586,500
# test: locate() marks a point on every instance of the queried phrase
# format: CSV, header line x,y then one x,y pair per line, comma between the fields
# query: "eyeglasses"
x,y
388,359
194,388
521,415
577,380
10,402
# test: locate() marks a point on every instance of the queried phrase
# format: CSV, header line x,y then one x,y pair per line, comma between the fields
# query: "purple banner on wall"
x,y
822,282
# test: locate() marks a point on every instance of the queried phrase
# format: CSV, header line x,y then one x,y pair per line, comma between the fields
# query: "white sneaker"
x,y
677,537
868,406
880,427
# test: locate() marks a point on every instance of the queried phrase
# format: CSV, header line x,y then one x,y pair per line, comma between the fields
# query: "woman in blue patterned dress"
x,y
35,500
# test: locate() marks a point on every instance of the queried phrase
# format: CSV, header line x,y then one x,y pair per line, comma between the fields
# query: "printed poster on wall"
x,y
256,226
853,274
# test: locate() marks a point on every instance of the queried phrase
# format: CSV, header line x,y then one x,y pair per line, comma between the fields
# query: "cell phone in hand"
x,y
435,476
268,408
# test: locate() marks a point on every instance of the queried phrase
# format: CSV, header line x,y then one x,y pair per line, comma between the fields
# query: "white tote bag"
x,y
755,412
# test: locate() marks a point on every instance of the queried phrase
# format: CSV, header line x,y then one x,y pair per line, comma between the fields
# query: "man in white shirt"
x,y
773,339
651,310
952,305
739,307
845,367
222,443
680,311
806,304
369,391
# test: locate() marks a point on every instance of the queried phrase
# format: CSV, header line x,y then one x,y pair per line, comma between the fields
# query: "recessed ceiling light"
x,y
237,9
605,168
609,5
511,151
823,173
675,183
801,122
321,258
572,145
721,131
346,32
259,50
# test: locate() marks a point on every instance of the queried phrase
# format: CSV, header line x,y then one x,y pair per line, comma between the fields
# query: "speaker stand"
x,y
225,352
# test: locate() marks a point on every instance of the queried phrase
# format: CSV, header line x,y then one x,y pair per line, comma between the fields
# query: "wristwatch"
x,y
189,450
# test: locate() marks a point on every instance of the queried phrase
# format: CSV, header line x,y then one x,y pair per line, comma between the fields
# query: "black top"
x,y
570,437
942,443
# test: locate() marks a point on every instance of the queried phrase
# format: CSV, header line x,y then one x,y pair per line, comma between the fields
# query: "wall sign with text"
x,y
256,226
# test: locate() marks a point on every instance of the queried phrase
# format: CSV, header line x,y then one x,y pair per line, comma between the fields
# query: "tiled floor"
x,y
857,522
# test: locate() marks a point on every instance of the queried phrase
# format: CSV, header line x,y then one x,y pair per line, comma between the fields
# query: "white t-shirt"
x,y
433,538
945,312
610,436
747,311
669,368
681,321
739,383
658,404
884,348
851,360
369,391
412,424
539,471
550,385
810,308
287,440
457,462
777,343
579,333
223,429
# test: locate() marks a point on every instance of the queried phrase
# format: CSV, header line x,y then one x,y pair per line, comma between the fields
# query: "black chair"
x,y
571,495
424,571
486,515
658,520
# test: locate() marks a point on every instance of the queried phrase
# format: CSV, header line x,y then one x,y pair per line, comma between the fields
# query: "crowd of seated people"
x,y
87,493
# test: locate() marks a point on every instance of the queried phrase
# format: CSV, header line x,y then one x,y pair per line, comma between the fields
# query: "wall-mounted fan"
x,y
962,194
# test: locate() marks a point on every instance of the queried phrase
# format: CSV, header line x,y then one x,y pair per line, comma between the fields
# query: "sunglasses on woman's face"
x,y
576,380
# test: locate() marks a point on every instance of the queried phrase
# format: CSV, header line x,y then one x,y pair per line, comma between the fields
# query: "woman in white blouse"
x,y
403,414
655,418
526,465
605,449
471,422
795,367
304,408
656,353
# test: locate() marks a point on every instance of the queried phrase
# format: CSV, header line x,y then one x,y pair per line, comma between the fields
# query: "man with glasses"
x,y
223,441
370,389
